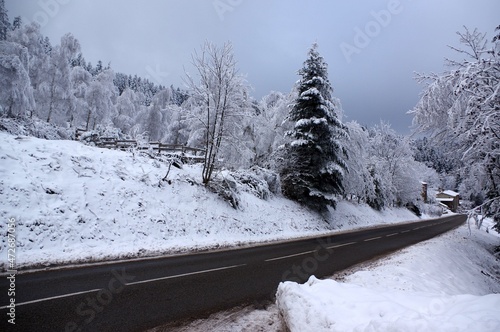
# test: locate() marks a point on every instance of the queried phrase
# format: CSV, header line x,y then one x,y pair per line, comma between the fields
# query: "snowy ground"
x,y
444,284
75,203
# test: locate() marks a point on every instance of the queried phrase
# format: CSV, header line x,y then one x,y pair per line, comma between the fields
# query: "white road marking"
x,y
391,234
373,238
127,284
341,245
52,298
288,256
183,275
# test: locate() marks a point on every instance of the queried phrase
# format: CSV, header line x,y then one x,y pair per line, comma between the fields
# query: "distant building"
x,y
449,198
424,192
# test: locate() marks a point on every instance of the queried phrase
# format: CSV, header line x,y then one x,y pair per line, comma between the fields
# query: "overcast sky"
x,y
372,47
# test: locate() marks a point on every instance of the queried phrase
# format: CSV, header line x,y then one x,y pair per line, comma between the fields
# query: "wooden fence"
x,y
192,154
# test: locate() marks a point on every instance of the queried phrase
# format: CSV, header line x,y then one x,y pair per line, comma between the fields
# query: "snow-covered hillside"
x,y
75,203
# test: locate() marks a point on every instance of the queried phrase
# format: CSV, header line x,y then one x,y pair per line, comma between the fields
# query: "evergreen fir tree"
x,y
315,165
4,21
17,23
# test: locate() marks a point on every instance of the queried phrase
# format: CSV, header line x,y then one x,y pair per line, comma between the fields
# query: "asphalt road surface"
x,y
140,294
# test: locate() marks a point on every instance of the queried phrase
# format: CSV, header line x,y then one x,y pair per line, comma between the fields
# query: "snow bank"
x,y
448,283
327,305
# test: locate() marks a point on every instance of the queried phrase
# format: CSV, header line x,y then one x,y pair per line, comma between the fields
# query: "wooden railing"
x,y
194,154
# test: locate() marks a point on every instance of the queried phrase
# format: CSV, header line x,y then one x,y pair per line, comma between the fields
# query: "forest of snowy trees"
x,y
460,111
282,132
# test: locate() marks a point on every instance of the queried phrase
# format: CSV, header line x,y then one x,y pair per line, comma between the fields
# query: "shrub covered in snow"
x,y
227,188
91,136
259,182
34,127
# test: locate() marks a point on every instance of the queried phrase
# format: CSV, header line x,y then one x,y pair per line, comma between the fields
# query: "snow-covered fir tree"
x,y
315,162
4,21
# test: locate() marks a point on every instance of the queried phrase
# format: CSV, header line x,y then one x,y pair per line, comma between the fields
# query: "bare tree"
x,y
219,94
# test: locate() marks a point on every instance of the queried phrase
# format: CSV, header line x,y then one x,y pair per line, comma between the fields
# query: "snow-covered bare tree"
x,y
177,126
80,80
16,94
99,97
267,129
470,115
392,157
219,94
155,119
30,37
154,125
314,171
126,110
54,93
359,182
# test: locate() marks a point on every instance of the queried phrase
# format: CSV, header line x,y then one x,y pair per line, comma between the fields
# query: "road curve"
x,y
141,294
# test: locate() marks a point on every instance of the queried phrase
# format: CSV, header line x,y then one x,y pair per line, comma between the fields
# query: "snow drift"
x,y
327,305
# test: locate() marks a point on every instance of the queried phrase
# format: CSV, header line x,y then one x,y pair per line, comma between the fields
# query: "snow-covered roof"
x,y
450,193
444,199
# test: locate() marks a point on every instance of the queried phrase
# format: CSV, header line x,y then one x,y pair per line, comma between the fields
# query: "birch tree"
x,y
218,93
54,97
99,97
